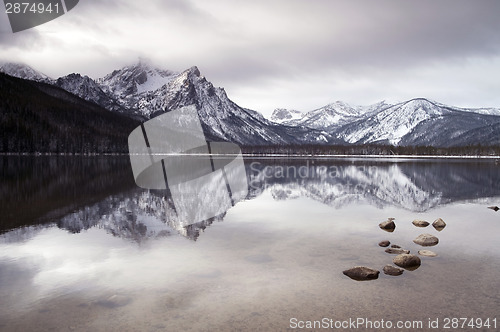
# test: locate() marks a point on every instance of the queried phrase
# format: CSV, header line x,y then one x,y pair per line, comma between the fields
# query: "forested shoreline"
x,y
372,149
318,150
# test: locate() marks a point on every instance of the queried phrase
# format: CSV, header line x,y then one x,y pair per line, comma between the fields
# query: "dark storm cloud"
x,y
297,35
323,48
357,35
26,39
180,10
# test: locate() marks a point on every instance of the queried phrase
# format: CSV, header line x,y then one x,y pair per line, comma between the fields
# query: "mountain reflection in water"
x,y
78,193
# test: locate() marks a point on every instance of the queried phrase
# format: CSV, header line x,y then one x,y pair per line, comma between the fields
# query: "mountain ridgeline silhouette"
x,y
139,92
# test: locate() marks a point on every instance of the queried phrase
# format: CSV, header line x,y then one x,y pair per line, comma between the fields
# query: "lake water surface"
x,y
82,248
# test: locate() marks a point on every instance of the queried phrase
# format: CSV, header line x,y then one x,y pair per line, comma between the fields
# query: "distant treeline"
x,y
373,149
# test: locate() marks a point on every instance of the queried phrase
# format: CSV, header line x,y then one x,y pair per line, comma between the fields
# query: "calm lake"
x,y
82,248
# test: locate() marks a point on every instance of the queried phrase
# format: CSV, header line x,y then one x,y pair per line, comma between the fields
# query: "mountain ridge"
x,y
404,123
37,117
143,91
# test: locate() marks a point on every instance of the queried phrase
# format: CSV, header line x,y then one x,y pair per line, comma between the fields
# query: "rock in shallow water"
x,y
439,224
392,270
427,253
388,225
395,246
407,261
426,240
494,208
397,251
361,273
420,223
384,243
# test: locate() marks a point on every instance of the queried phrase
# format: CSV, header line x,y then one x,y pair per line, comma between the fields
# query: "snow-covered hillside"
x,y
145,91
23,71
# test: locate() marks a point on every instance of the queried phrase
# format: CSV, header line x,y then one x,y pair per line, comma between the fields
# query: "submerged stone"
x,y
392,270
407,261
427,253
397,251
361,273
387,225
426,240
420,223
384,243
439,224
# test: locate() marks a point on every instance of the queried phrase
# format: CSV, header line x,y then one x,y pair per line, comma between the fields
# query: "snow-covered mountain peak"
x,y
422,102
88,89
23,71
76,77
330,116
420,107
340,107
136,79
144,91
377,107
393,123
281,115
194,71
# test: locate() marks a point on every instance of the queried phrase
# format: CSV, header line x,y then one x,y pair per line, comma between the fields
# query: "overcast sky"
x,y
300,54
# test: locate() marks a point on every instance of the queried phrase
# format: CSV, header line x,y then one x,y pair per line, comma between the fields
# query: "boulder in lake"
x,y
439,224
395,246
494,208
427,253
426,240
361,273
420,223
407,261
388,225
392,270
384,243
397,251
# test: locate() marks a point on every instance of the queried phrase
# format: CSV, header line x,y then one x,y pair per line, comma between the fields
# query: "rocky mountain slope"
x,y
24,71
142,91
415,122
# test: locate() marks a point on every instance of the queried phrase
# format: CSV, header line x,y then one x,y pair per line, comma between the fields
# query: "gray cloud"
x,y
28,39
285,52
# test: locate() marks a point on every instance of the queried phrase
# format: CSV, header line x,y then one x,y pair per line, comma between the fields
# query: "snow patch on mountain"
x,y
86,88
131,85
154,81
393,123
24,71
328,117
143,91
485,111
281,115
